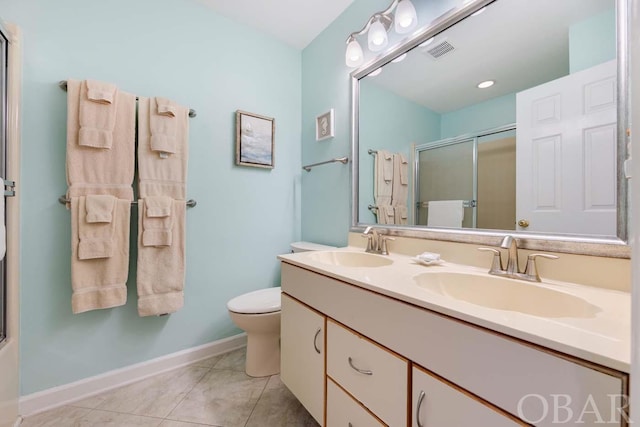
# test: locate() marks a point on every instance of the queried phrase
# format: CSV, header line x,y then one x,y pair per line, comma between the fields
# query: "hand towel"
x,y
97,115
95,237
445,213
400,215
100,208
386,214
383,185
163,126
100,282
162,176
157,221
93,171
161,269
400,186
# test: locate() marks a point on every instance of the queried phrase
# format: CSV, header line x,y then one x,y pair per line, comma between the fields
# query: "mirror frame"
x,y
615,246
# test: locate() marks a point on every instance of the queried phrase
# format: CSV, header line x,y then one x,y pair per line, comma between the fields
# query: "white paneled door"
x,y
566,154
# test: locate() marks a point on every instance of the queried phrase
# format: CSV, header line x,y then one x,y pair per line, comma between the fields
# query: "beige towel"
x,y
400,215
97,115
163,125
161,270
100,171
400,184
383,177
162,175
157,221
96,225
101,282
386,214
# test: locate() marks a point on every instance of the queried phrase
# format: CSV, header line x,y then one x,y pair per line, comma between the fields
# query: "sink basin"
x,y
350,259
506,294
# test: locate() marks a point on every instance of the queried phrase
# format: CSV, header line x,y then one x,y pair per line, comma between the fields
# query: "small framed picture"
x,y
255,136
324,126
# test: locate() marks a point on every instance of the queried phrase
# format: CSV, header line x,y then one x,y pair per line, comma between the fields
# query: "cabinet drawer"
x,y
343,411
436,403
373,375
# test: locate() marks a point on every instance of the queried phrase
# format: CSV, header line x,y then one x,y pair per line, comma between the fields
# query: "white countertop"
x,y
604,339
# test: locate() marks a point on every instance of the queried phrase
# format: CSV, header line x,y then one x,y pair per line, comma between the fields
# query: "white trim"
x,y
87,387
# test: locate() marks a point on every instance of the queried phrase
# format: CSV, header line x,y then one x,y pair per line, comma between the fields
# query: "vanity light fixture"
x,y
375,72
478,12
401,13
427,42
486,84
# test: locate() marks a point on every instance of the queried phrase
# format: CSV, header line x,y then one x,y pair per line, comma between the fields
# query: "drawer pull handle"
x,y
350,425
362,371
315,340
418,407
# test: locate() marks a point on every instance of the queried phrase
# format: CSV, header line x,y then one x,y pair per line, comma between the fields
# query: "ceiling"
x,y
517,43
294,22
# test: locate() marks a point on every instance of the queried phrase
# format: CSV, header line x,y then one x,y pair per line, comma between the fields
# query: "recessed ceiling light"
x,y
428,42
376,72
486,84
400,58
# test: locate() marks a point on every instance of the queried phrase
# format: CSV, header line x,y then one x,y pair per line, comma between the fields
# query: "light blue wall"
x,y
484,115
245,216
592,41
391,122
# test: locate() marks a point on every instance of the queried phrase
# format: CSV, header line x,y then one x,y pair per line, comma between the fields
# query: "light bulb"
x,y
354,56
406,18
375,72
399,58
377,38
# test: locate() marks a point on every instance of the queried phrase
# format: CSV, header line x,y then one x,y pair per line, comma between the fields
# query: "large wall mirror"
x,y
505,116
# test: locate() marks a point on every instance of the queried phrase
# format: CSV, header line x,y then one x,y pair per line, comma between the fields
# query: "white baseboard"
x,y
78,390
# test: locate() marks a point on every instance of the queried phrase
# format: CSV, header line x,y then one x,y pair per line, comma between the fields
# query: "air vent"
x,y
439,50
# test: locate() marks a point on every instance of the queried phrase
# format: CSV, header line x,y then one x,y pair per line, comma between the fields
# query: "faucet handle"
x,y
370,242
496,263
531,271
383,244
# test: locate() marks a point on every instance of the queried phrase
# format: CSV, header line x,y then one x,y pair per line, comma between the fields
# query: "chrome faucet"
x,y
513,270
376,240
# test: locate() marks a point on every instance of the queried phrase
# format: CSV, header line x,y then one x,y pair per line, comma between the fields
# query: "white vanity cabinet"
x,y
437,403
481,369
302,356
372,374
344,411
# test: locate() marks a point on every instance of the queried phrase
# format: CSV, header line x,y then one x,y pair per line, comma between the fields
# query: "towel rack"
x,y
370,151
465,204
343,160
9,192
372,208
63,86
190,203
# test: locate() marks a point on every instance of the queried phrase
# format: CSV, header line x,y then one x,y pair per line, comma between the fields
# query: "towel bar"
x,y
465,204
10,191
190,203
343,160
63,86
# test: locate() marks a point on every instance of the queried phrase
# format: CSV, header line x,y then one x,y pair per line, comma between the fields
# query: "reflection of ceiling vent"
x,y
439,50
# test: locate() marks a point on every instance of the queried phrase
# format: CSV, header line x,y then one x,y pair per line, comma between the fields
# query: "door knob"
x,y
523,223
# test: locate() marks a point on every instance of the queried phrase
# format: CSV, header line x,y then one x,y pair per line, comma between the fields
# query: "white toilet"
x,y
258,314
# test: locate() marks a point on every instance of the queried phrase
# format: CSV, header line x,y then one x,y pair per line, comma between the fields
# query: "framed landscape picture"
x,y
255,138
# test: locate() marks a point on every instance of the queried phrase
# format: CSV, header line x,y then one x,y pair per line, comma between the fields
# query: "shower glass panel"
x,y
446,171
497,181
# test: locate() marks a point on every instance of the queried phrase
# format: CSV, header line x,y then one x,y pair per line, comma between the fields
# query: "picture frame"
x,y
255,140
325,126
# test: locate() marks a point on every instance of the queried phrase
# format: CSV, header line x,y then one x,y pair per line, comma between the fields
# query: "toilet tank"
x,y
309,246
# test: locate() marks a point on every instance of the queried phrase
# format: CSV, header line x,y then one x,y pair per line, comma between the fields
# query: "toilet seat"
x,y
256,302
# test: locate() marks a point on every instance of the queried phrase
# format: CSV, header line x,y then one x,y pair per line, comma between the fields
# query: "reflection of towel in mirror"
x,y
445,213
385,214
400,184
400,215
383,178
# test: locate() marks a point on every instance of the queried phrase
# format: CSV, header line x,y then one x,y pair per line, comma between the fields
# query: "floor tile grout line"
x,y
258,400
204,374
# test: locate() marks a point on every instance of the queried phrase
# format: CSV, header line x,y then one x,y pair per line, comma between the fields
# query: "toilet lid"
x,y
260,301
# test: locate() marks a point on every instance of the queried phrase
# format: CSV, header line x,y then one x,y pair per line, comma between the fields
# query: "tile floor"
x,y
214,392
